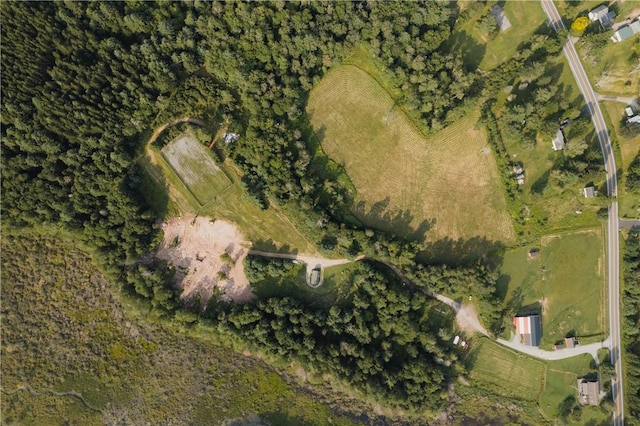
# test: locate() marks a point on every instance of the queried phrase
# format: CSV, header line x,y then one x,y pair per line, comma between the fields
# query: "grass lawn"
x,y
565,284
515,376
487,53
442,186
626,150
506,372
195,167
551,207
336,286
266,229
561,382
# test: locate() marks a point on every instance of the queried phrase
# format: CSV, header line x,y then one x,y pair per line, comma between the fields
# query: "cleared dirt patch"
x,y
207,254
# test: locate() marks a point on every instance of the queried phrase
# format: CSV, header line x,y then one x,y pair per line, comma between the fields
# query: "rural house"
x,y
589,192
626,31
589,391
602,15
558,141
529,329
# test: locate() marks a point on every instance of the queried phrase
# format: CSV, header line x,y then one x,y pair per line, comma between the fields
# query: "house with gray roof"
x,y
626,31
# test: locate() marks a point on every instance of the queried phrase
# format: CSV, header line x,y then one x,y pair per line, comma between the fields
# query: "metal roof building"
x,y
529,328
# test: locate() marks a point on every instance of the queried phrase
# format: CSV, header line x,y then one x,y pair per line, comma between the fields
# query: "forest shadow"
x,y
269,245
393,221
462,252
150,189
462,43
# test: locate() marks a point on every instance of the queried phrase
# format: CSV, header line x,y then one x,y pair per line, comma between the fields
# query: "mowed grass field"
x,y
538,386
505,372
193,164
565,284
406,183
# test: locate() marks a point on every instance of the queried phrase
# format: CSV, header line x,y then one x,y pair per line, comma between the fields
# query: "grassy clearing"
x,y
629,147
267,229
506,372
487,53
335,288
560,383
63,329
195,168
565,284
626,150
408,184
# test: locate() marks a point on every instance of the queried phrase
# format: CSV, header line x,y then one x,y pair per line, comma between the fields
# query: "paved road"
x,y
612,186
591,349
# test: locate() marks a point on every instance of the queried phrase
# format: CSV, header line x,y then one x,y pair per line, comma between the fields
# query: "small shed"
x,y
315,277
558,142
629,112
589,192
533,253
570,342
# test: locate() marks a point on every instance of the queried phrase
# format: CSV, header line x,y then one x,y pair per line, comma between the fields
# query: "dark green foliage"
x,y
633,174
258,268
631,325
382,342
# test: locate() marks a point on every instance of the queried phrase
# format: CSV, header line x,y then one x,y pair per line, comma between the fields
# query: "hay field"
x,y
506,372
195,168
447,184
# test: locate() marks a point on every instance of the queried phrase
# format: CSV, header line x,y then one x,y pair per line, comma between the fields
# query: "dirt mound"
x,y
207,254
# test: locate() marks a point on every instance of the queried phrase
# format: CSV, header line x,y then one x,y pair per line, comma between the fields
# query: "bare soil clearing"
x,y
196,248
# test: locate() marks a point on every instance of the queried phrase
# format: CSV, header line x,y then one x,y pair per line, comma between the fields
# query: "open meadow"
x,y
564,284
506,372
443,186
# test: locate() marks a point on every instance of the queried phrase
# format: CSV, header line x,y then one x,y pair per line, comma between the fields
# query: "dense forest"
x,y
631,326
85,84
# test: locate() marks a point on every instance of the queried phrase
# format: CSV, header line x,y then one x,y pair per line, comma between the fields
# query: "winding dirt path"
x,y
26,388
159,130
466,315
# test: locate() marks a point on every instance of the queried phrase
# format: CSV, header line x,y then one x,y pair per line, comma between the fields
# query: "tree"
x,y
579,25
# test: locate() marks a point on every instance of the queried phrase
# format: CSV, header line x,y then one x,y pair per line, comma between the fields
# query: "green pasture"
x,y
442,186
506,372
565,284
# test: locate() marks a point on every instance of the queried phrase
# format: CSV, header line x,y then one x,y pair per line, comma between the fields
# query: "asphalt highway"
x,y
612,188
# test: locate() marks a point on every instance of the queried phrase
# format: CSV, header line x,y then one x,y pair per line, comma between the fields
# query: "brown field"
x,y
443,186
